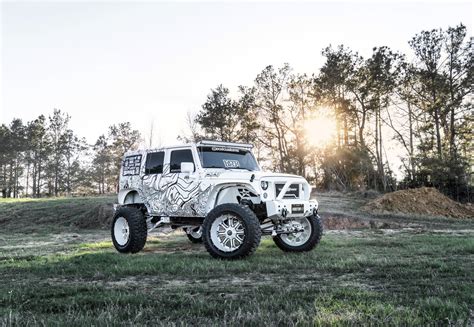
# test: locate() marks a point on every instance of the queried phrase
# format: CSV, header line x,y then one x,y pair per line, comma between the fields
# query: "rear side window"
x,y
154,163
131,165
179,156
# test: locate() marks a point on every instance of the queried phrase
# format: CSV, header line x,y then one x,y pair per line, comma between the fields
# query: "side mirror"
x,y
187,167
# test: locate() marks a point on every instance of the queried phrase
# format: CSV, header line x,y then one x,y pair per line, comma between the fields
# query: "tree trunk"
x,y
437,123
452,132
346,131
381,168
15,178
9,194
56,176
378,148
38,187
377,155
33,175
410,158
361,129
280,143
438,134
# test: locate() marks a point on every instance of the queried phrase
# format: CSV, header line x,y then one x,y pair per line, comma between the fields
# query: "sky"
x,y
106,63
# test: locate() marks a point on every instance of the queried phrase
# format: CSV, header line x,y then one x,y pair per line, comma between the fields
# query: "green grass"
x,y
55,273
365,278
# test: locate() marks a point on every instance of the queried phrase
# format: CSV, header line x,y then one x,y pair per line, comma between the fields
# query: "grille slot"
x,y
293,191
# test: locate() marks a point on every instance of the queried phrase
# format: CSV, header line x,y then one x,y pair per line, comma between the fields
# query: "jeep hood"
x,y
244,175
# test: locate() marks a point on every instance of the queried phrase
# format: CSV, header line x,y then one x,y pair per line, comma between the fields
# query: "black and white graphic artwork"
x,y
131,165
173,195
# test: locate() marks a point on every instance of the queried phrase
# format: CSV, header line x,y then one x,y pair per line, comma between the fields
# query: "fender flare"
x,y
218,188
129,196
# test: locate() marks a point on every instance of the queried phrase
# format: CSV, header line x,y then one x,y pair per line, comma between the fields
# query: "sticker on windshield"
x,y
231,163
222,149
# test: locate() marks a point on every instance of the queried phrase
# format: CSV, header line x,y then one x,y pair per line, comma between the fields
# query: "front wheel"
x,y
309,234
231,231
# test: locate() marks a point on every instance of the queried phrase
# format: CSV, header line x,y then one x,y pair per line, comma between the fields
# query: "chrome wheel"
x,y
227,233
121,231
300,237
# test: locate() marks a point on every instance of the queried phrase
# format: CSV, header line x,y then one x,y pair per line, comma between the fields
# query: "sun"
x,y
320,131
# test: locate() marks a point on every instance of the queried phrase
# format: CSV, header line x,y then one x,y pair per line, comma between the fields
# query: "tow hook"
x,y
284,212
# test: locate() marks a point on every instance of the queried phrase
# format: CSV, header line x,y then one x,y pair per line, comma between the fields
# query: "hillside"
x,y
338,211
56,214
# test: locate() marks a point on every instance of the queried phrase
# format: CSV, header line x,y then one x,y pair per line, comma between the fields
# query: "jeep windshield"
x,y
227,158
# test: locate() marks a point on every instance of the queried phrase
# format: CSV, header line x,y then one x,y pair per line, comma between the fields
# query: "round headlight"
x,y
264,185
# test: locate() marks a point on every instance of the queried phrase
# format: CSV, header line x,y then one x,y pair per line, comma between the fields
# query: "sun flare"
x,y
320,131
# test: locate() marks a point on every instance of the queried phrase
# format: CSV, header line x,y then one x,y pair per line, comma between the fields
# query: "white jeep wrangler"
x,y
217,193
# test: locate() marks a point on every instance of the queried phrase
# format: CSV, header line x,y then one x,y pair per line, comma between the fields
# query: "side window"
x,y
154,163
131,165
179,156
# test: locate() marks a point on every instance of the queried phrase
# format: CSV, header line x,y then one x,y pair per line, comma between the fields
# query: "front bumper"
x,y
291,208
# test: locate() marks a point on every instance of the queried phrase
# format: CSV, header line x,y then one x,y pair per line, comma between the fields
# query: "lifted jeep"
x,y
217,193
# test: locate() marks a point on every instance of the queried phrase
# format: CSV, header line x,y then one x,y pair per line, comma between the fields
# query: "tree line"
x,y
44,157
424,103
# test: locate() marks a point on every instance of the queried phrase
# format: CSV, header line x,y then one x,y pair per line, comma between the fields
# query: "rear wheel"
x,y
231,231
194,234
129,230
309,234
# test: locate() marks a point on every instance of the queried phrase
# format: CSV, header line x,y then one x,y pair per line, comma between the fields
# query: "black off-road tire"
x,y
192,238
137,230
315,237
250,224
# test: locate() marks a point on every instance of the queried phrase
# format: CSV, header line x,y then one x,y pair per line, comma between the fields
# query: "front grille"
x,y
293,191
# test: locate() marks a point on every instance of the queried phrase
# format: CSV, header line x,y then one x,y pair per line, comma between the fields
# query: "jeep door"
x,y
151,180
182,188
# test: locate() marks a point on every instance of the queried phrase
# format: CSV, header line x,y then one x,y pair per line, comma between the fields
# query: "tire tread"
x,y
138,229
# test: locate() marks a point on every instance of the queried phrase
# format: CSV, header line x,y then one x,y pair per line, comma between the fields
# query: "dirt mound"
x,y
339,222
420,201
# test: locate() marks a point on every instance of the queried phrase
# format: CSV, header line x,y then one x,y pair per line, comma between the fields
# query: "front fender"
x,y
226,193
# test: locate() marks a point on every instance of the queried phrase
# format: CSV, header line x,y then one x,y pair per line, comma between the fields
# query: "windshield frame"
x,y
201,161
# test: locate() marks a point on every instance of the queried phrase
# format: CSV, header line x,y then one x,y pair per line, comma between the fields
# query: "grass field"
x,y
57,273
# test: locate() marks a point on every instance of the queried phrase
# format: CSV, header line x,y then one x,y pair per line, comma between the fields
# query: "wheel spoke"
x,y
225,241
227,233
